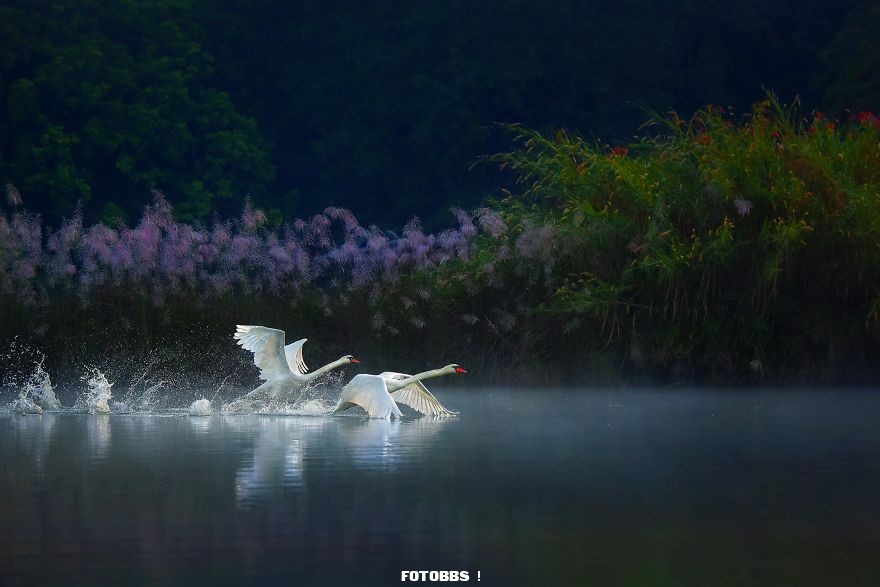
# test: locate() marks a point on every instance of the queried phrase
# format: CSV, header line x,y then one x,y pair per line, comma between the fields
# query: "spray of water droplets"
x,y
95,399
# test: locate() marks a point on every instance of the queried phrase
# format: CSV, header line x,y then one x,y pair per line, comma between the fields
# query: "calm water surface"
x,y
537,487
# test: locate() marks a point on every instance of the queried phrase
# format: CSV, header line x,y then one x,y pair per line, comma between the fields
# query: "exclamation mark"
x,y
478,575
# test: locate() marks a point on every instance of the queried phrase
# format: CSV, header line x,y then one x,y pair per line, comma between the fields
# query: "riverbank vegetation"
x,y
722,248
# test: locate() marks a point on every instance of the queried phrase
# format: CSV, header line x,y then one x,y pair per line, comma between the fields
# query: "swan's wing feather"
x,y
417,396
294,354
370,393
267,344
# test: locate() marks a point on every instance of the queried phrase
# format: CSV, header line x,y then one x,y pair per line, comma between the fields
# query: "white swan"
x,y
281,367
379,394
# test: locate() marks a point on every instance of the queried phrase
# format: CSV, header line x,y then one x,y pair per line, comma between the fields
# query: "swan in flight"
x,y
380,394
281,366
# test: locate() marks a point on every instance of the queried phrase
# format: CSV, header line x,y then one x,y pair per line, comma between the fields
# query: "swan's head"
x,y
453,369
350,359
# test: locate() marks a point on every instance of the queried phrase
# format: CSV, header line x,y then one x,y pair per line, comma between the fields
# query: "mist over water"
x,y
536,486
131,472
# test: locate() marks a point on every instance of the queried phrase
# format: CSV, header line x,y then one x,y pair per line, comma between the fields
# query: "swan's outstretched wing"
x,y
370,393
417,396
294,354
267,344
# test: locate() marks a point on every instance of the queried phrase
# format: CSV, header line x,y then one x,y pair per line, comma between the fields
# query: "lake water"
x,y
533,487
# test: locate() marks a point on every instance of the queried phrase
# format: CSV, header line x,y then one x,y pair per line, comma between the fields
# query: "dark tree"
x,y
103,101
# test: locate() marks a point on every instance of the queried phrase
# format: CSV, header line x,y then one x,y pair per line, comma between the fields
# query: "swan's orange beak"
x,y
353,360
460,370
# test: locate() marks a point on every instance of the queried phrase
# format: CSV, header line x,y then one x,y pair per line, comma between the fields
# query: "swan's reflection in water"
x,y
594,486
98,436
287,447
201,425
385,443
277,460
278,449
31,436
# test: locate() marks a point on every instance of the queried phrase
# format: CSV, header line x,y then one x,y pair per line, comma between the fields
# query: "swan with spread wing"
x,y
281,366
379,394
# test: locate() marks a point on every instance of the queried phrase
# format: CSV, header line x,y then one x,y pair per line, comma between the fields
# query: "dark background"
x,y
382,107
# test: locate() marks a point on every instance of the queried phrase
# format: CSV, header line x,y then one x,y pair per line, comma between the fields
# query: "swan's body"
x,y
281,366
379,395
371,393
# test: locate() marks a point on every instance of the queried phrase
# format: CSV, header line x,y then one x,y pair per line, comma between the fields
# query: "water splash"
x,y
314,399
148,400
201,407
97,397
139,389
24,404
23,371
36,393
219,388
40,386
120,408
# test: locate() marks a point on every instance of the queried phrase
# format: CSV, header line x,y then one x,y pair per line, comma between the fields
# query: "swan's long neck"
x,y
400,384
326,368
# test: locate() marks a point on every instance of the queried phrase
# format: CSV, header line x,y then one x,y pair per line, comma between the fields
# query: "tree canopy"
x,y
103,101
382,107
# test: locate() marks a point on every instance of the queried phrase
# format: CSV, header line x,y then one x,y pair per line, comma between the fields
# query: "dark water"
x,y
537,487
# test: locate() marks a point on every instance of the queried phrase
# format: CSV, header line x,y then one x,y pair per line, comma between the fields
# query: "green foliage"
x,y
107,99
379,106
735,249
851,73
